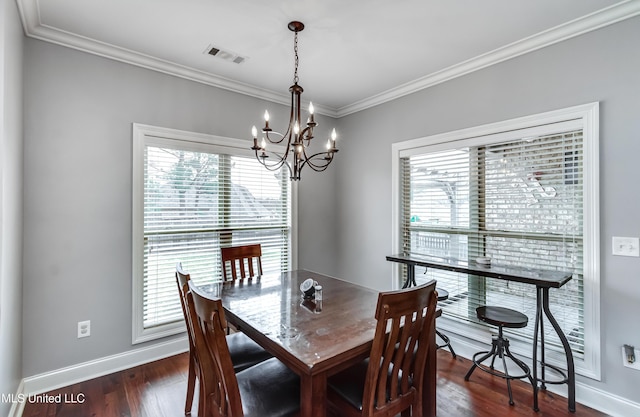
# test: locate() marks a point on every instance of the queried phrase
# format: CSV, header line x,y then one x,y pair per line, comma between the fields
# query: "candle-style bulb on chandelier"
x,y
296,153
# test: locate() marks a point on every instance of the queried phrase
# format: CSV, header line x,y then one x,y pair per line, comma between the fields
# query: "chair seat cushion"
x,y
269,389
349,384
245,352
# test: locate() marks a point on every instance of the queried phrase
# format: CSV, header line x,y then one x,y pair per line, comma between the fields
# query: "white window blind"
x,y
519,201
196,199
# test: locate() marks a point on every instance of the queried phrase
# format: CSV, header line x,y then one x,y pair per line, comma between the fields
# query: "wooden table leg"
x,y
313,395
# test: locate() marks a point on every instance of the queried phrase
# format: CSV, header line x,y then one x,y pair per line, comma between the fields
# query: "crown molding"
x,y
599,19
34,28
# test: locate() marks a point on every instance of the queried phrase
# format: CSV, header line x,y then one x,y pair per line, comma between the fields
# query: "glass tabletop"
x,y
310,332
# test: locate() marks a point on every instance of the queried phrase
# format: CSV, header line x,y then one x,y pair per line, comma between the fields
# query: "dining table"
x,y
314,338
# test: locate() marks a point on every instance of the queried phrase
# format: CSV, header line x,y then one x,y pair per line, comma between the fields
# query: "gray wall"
x,y
77,191
11,49
600,66
77,197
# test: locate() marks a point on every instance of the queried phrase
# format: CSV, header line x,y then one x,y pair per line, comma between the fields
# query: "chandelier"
x,y
296,154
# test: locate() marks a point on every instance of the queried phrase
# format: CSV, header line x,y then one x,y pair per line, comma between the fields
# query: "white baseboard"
x,y
586,395
63,377
607,403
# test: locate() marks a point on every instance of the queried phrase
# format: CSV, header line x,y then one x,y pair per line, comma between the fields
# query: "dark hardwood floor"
x,y
158,389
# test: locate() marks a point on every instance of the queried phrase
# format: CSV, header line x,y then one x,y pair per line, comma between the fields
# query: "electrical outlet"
x,y
625,246
632,365
84,328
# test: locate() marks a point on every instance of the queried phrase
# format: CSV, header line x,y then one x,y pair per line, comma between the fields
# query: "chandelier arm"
x,y
327,158
271,167
274,141
281,158
308,132
316,168
277,166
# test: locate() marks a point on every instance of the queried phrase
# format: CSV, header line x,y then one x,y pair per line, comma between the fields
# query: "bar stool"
x,y
443,295
502,317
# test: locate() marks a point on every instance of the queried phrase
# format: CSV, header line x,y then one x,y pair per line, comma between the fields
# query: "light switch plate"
x,y
625,246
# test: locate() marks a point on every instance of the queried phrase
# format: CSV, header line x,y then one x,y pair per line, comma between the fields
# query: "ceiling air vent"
x,y
226,55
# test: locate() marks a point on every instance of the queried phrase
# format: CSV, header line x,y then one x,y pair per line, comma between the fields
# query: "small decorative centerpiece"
x,y
308,288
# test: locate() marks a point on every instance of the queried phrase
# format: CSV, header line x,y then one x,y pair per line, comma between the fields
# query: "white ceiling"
x,y
353,53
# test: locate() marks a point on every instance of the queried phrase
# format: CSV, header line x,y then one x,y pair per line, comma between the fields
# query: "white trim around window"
x,y
144,135
583,116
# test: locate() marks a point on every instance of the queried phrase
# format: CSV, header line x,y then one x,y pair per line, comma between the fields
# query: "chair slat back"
x,y
240,262
222,396
406,319
182,279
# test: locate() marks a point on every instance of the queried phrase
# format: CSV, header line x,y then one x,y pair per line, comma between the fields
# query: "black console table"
x,y
542,279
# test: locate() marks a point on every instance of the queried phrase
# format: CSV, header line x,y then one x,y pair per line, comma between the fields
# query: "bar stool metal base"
x,y
447,343
442,296
500,348
503,317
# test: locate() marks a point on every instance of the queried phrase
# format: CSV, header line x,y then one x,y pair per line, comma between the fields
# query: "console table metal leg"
x,y
411,276
571,375
535,347
543,358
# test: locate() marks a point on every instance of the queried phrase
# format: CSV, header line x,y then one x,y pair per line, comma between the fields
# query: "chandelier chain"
x,y
295,50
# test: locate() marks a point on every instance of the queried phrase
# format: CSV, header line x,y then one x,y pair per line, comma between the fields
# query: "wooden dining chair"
x,y
266,389
244,351
391,380
240,262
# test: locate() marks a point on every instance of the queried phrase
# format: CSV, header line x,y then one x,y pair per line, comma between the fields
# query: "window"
x,y
522,192
194,194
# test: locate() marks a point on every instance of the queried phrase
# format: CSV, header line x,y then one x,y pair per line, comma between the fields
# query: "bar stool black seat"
x,y
502,317
443,295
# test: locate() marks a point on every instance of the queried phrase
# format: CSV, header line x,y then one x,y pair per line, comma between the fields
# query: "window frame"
x,y
144,135
586,116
